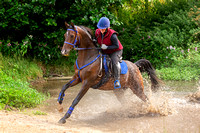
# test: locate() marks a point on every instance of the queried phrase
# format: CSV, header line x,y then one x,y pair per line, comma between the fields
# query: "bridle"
x,y
75,41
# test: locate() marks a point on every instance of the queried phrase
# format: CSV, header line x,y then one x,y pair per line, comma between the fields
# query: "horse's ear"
x,y
72,24
67,25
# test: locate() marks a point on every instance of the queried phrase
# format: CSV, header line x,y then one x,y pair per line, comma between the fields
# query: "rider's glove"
x,y
103,46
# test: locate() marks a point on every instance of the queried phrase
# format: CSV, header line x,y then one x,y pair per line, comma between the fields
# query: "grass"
x,y
39,113
20,68
15,91
184,67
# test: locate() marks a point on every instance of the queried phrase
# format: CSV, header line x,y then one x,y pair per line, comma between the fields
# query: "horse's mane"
x,y
90,31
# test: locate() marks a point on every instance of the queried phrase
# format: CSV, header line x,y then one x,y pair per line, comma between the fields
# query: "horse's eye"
x,y
72,36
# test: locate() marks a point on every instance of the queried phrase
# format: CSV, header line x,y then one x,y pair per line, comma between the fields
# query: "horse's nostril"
x,y
63,52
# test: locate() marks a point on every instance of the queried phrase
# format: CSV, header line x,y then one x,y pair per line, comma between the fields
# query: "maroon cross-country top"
x,y
107,40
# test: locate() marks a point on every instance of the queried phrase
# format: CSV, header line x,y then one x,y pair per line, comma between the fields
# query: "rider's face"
x,y
102,30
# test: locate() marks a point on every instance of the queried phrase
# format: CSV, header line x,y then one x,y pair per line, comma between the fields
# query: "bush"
x,y
88,12
20,68
185,64
16,93
35,28
178,30
31,29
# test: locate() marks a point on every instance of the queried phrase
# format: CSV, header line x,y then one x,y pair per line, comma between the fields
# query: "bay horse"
x,y
89,71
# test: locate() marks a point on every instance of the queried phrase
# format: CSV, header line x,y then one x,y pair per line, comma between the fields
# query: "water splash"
x,y
159,102
195,97
104,105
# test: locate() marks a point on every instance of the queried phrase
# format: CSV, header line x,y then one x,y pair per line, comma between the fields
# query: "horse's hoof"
x,y
62,121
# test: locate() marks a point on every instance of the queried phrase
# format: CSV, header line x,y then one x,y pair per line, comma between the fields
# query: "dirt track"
x,y
12,122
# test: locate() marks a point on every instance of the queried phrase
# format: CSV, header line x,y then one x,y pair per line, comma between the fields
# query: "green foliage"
x,y
41,23
19,49
176,73
175,30
20,68
167,7
145,13
39,113
140,41
16,93
27,25
88,12
185,64
146,28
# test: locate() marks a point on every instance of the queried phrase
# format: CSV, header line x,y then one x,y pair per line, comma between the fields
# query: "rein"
x,y
79,68
87,48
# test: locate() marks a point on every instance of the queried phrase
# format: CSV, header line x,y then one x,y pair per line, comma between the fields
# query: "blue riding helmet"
x,y
103,23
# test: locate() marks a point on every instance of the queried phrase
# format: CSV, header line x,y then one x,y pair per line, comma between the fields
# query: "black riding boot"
x,y
117,70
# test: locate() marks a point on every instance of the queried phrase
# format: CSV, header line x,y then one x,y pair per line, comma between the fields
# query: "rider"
x,y
110,45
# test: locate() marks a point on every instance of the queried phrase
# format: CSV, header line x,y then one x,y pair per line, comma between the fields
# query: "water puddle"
x,y
169,109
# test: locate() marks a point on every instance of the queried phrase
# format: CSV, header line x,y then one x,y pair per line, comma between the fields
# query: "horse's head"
x,y
71,39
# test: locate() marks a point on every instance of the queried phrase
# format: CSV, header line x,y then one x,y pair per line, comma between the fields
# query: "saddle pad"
x,y
124,67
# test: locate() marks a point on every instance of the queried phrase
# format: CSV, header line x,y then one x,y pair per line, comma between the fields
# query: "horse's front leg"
x,y
72,82
82,92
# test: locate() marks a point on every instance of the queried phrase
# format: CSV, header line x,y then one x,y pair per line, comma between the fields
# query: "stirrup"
x,y
116,87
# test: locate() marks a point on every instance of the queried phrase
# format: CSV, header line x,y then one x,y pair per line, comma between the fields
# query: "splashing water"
x,y
195,97
105,104
159,102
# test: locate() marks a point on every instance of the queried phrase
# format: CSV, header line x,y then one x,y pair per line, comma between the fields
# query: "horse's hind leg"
x,y
139,91
119,93
137,86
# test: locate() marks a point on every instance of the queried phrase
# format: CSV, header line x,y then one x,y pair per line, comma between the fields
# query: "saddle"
x,y
108,68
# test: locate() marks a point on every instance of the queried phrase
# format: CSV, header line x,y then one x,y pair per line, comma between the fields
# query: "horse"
x,y
89,71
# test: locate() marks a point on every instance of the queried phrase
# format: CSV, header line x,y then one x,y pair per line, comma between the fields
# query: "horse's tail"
x,y
146,66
